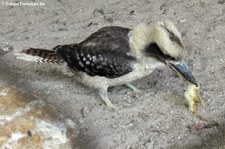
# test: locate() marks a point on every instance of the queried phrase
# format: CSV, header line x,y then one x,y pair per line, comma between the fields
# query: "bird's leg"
x,y
103,93
133,88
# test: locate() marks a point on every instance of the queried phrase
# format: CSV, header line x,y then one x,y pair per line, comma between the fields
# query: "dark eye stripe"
x,y
173,37
154,51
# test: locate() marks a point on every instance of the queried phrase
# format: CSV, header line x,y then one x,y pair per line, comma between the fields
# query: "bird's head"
x,y
170,43
163,42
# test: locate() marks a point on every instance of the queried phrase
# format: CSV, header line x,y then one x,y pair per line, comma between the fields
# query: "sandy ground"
x,y
156,118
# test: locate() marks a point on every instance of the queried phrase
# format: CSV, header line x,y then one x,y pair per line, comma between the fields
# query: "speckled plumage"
x,y
104,53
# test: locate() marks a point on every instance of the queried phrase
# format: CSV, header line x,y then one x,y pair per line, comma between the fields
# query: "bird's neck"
x,y
140,38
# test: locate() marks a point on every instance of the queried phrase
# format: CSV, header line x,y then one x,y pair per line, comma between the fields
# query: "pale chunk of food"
x,y
193,97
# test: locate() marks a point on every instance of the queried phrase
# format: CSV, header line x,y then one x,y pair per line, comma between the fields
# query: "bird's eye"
x,y
168,57
173,58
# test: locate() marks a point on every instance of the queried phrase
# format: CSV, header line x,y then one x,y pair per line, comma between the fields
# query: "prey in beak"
x,y
182,68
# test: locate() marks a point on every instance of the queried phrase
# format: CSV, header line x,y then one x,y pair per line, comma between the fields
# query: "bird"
x,y
115,55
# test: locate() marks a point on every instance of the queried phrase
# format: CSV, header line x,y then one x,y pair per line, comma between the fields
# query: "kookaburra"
x,y
115,55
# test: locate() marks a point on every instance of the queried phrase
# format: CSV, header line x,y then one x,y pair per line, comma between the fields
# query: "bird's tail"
x,y
39,56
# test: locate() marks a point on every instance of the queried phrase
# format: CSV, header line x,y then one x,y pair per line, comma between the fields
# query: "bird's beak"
x,y
182,68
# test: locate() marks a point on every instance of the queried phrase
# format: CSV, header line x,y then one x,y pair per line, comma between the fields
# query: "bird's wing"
x,y
114,38
104,53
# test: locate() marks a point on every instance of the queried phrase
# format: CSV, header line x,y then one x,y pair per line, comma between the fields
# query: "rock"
x,y
26,122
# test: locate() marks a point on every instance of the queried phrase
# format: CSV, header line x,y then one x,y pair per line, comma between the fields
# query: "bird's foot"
x,y
110,105
133,88
104,97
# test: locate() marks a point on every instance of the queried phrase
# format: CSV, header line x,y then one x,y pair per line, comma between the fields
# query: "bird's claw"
x,y
110,105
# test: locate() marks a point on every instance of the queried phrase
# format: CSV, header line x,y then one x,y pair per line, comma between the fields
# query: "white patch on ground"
x,y
9,143
4,92
54,134
7,118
